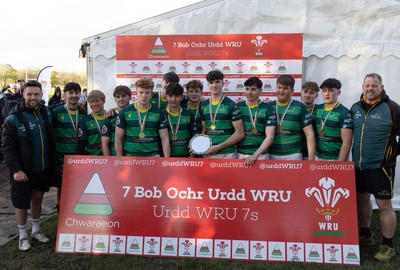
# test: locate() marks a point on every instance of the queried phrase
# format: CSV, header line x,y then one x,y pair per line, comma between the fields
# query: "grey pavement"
x,y
8,225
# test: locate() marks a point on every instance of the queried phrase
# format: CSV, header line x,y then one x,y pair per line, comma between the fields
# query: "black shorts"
x,y
21,191
378,182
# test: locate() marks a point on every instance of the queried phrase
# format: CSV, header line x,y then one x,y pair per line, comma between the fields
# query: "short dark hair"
x,y
122,90
374,75
194,84
286,80
253,81
331,83
174,89
33,83
310,85
215,75
171,77
72,86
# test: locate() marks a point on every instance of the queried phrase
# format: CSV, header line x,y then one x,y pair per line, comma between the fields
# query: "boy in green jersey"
x,y
292,118
194,90
309,93
259,122
159,99
333,124
180,121
66,119
140,126
89,134
122,97
221,119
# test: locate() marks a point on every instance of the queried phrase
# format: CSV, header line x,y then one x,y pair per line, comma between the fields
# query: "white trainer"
x,y
24,244
40,237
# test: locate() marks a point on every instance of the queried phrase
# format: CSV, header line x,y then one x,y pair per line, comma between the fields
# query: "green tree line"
x,y
10,75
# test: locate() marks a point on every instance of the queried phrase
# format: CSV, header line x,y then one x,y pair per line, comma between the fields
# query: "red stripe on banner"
x,y
94,198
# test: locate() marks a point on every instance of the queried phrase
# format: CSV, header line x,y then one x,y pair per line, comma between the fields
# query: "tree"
x,y
8,74
29,73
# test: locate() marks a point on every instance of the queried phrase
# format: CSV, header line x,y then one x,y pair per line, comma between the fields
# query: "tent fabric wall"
x,y
345,39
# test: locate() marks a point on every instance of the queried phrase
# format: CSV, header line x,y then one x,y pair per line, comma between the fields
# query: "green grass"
x,y
43,256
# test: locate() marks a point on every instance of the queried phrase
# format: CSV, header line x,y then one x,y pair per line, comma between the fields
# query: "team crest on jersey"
x,y
104,129
117,121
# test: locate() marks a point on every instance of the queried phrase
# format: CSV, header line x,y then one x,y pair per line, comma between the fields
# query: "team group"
x,y
163,123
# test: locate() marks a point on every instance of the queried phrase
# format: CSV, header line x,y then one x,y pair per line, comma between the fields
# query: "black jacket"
x,y
18,150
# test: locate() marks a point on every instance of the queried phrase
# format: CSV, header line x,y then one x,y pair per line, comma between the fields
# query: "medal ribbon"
x,y
326,118
280,121
214,117
253,120
142,123
174,132
197,111
312,109
97,122
74,126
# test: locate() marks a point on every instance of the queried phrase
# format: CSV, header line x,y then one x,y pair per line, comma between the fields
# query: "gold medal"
x,y
279,128
213,117
174,138
321,133
254,131
141,135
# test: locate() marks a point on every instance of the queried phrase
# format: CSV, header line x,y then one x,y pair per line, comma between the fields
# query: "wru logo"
x,y
327,196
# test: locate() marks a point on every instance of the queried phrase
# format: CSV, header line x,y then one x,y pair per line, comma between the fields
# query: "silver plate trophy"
x,y
199,144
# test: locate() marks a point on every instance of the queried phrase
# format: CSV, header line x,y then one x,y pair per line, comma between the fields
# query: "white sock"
x,y
35,225
22,232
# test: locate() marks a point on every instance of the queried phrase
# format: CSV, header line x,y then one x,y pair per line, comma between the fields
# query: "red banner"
x,y
238,56
217,47
209,208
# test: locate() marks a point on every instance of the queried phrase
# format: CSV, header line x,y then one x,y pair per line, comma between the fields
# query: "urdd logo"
x,y
94,199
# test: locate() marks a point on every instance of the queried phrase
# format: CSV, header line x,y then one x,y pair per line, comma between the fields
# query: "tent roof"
x,y
350,28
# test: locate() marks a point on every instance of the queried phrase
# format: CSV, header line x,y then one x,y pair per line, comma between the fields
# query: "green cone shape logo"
x,y
94,200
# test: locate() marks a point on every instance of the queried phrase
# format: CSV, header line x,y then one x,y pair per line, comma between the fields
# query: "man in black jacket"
x,y
29,151
376,124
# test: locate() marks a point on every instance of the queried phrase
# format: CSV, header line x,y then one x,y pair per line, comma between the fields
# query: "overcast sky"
x,y
49,32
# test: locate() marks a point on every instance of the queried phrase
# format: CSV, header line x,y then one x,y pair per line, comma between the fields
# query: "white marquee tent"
x,y
344,39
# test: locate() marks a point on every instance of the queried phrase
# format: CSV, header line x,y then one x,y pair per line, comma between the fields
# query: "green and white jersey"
x,y
66,130
329,141
90,133
264,116
108,130
179,140
224,113
134,145
288,139
304,151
